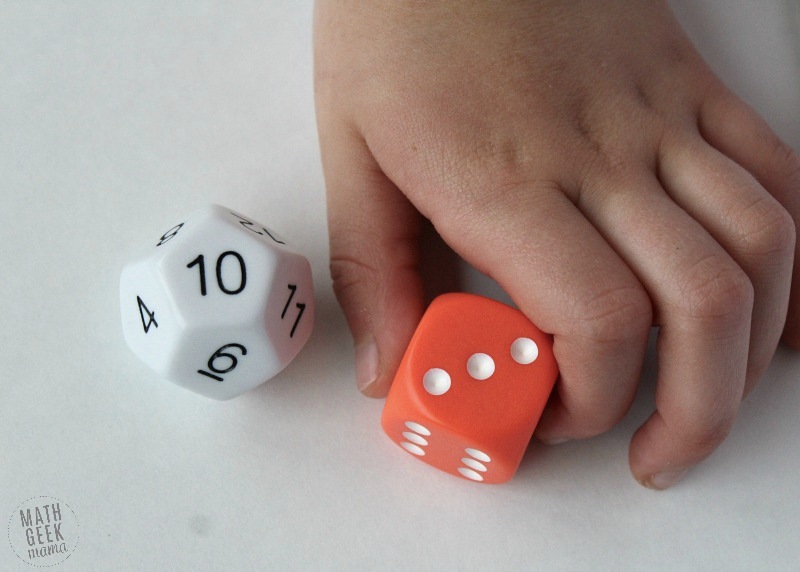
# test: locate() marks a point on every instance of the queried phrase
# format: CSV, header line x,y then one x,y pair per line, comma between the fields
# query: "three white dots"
x,y
480,366
415,438
474,464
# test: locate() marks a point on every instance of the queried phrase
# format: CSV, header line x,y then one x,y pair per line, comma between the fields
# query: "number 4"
x,y
299,306
151,316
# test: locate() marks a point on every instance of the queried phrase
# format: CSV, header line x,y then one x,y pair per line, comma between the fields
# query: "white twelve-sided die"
x,y
218,304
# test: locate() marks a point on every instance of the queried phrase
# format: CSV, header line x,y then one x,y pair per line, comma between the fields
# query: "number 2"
x,y
300,306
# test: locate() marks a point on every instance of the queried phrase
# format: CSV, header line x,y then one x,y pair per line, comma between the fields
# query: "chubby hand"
x,y
584,156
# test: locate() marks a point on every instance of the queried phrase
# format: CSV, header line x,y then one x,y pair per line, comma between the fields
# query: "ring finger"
x,y
703,302
749,223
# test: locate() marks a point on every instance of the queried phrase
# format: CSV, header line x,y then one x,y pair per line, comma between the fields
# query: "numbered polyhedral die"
x,y
218,304
471,388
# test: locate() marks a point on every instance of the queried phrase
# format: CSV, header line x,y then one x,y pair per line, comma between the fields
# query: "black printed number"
x,y
226,288
220,359
259,230
169,234
148,317
301,307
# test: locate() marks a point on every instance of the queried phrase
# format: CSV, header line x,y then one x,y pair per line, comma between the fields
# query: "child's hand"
x,y
584,156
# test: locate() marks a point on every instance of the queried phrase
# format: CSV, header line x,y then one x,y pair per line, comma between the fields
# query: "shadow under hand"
x,y
444,271
439,265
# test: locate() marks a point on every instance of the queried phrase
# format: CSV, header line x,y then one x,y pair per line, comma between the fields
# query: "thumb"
x,y
374,254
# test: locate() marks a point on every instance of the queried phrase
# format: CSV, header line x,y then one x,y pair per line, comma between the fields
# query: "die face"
x,y
453,451
214,280
218,274
289,316
149,324
463,335
223,362
478,374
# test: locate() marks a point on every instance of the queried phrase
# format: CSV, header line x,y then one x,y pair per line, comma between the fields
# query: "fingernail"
x,y
367,363
664,479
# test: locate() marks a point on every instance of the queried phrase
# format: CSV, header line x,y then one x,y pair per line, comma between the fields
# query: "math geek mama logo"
x,y
43,531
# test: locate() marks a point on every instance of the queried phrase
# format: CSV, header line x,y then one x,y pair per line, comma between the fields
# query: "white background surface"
x,y
119,118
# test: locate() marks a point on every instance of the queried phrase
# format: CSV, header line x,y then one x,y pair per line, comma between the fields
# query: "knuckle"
x,y
703,438
769,231
347,272
787,161
364,265
717,292
615,314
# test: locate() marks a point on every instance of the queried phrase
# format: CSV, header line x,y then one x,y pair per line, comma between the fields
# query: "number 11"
x,y
301,307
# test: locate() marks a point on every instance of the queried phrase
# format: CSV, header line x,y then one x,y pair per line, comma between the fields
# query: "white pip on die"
x,y
219,303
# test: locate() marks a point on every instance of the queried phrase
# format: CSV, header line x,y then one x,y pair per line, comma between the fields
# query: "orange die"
x,y
471,388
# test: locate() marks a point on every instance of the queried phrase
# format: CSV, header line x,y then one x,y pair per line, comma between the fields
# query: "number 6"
x,y
220,354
